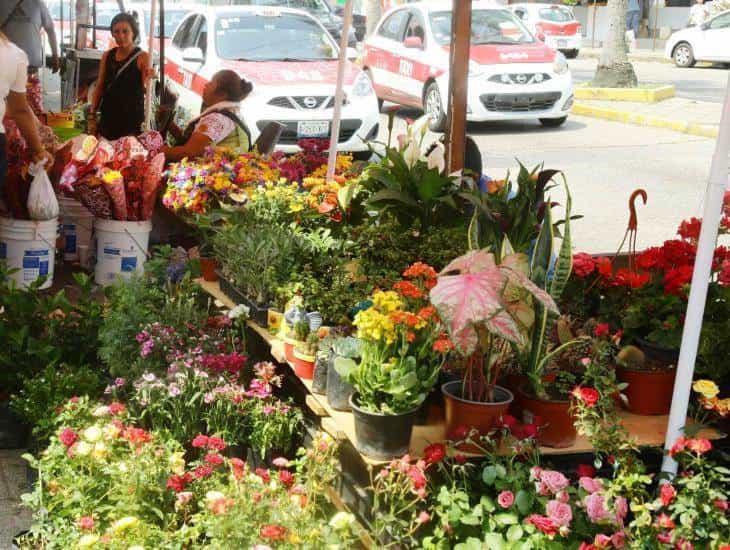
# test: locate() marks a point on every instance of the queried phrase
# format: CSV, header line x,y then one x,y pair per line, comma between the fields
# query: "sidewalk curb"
x,y
658,58
640,95
644,120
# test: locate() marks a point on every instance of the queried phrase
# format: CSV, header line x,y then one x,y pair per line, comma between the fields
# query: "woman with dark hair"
x,y
123,75
218,124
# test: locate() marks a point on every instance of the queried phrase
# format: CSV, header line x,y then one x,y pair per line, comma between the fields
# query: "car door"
x,y
181,71
414,66
383,54
716,39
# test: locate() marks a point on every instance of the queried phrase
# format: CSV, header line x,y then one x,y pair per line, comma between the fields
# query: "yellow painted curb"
x,y
639,95
644,120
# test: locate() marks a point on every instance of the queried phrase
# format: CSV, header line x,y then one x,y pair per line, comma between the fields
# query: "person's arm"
x,y
143,63
19,110
47,22
99,88
194,147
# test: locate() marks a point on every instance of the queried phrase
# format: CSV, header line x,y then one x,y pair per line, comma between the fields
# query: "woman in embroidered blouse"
x,y
218,124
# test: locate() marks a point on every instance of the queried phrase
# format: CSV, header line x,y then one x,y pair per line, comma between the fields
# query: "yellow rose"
x,y
87,541
125,523
92,434
707,388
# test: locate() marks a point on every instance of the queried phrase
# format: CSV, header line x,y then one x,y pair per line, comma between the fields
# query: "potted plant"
x,y
484,306
297,326
345,353
399,364
305,355
650,382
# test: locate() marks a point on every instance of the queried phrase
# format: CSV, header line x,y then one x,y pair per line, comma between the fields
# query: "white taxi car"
x,y
512,75
554,24
707,42
292,62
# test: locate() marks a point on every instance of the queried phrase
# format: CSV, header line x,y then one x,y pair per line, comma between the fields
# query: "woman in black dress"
x,y
123,75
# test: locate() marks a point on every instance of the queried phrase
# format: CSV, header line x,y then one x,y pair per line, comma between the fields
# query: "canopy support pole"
x,y
339,92
458,83
714,195
150,82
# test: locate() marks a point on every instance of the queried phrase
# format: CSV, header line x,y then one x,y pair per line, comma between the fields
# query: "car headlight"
x,y
475,69
560,64
362,86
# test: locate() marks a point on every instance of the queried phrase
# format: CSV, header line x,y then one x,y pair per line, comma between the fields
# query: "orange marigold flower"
x,y
408,290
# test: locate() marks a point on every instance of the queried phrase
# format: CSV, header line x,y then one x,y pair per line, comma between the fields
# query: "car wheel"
x,y
553,122
433,107
683,55
571,54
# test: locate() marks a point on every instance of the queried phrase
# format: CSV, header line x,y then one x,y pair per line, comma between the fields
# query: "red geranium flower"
x,y
434,453
68,437
200,441
238,466
583,264
202,472
85,523
214,459
263,474
273,532
690,229
677,253
651,258
418,479
216,443
178,482
116,408
679,446
665,522
602,329
675,279
667,494
604,267
136,436
630,279
286,478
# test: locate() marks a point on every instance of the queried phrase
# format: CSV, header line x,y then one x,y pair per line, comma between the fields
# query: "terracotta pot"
x,y
207,269
649,392
513,382
473,414
303,365
289,349
556,424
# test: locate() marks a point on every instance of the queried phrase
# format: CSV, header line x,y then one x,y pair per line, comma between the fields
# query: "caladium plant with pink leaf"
x,y
486,307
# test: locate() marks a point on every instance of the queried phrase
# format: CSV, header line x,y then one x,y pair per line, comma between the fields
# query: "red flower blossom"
x,y
216,443
588,396
116,408
238,466
419,270
586,546
604,267
651,258
427,313
690,229
667,494
408,289
585,470
665,522
202,472
85,523
178,482
699,446
68,437
602,329
630,279
200,441
435,453
544,524
460,458
679,446
530,431
583,264
286,478
721,504
724,276
263,474
443,345
136,436
418,479
214,459
677,253
459,433
508,421
676,278
273,532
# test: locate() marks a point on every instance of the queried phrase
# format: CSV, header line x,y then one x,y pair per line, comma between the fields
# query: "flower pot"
x,y
462,412
289,344
556,424
513,382
382,436
649,392
655,352
338,391
208,269
257,313
319,380
303,365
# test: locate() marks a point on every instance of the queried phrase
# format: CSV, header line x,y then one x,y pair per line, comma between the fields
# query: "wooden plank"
x,y
314,406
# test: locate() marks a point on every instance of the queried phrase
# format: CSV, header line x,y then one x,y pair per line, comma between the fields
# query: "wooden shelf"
x,y
646,430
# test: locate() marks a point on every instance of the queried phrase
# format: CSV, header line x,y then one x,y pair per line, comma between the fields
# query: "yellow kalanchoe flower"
x,y
387,301
707,388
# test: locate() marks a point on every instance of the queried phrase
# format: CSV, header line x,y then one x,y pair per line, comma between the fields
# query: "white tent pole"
x,y
339,92
150,51
714,194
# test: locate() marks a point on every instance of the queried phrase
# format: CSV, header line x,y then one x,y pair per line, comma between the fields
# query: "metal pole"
x,y
656,24
714,194
150,83
339,92
458,80
593,26
162,48
93,28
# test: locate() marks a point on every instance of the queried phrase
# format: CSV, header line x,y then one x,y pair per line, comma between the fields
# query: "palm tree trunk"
x,y
614,68
372,15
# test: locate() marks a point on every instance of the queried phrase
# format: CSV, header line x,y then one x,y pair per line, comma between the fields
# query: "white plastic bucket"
x,y
121,249
29,246
76,225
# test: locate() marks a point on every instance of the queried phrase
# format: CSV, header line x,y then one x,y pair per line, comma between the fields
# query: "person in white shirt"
x,y
699,13
13,75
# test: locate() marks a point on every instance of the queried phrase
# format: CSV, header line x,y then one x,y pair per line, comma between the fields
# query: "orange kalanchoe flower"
x,y
408,290
420,270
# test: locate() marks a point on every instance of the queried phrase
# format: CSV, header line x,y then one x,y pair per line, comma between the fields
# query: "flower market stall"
x,y
378,355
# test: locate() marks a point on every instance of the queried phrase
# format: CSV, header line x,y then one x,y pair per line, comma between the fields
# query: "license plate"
x,y
562,43
319,128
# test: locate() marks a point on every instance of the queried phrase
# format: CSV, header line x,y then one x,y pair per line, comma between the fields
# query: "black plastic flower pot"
x,y
659,353
338,391
382,436
13,431
319,381
258,313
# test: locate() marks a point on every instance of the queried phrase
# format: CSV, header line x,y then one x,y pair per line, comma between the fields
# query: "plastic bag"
x,y
42,202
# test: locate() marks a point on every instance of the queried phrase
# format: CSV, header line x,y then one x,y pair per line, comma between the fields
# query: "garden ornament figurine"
x,y
631,228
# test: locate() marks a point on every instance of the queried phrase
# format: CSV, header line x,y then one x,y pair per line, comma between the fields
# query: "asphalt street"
x,y
700,83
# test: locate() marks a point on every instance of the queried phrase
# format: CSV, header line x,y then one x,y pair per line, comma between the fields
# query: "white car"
x,y
554,24
512,75
707,42
292,62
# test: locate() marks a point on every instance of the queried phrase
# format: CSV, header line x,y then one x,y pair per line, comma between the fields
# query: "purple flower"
x,y
268,409
147,348
119,382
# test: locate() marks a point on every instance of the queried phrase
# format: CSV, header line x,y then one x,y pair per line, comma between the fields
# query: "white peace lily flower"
x,y
437,158
238,311
411,154
92,434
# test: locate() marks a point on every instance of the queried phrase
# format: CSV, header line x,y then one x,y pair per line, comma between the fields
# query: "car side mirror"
x,y
194,55
415,42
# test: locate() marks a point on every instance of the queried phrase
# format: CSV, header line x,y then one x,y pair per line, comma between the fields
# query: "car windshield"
x,y
557,14
487,27
312,6
172,20
263,37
